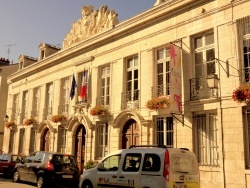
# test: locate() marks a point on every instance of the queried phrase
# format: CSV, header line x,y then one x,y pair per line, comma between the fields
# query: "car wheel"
x,y
16,177
87,184
41,183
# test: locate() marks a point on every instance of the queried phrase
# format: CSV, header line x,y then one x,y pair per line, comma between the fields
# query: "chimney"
x,y
4,61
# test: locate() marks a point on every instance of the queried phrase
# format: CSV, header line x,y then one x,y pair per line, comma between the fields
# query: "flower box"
x,y
58,118
242,93
98,110
158,102
29,121
9,124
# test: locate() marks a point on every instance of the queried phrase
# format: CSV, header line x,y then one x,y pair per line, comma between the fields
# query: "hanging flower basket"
x,y
29,121
98,110
58,118
158,102
242,93
9,124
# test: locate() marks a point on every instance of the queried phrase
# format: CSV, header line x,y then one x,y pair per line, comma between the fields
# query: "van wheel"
x,y
87,184
16,177
41,183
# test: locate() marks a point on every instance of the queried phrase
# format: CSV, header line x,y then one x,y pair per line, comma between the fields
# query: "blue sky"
x,y
25,24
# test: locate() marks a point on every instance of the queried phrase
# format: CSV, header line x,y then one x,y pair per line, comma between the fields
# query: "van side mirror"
x,y
100,167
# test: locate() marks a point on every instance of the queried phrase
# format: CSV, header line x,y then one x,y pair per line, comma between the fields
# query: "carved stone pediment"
x,y
91,23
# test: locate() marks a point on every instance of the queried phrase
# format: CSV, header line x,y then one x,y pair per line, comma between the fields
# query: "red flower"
x,y
58,118
29,121
98,110
242,93
158,102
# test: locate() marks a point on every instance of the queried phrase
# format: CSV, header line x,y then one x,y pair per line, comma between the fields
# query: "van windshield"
x,y
183,163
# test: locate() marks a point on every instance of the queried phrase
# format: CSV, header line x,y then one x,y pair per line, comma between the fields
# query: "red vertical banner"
x,y
175,79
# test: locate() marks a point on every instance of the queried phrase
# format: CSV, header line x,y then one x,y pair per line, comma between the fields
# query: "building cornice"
x,y
148,18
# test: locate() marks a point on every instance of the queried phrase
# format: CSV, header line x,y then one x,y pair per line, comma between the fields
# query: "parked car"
x,y
48,169
8,162
144,167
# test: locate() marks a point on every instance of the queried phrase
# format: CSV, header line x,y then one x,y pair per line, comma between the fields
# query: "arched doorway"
x,y
45,140
80,146
130,134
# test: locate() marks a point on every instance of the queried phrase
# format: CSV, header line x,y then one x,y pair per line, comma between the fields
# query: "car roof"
x,y
150,149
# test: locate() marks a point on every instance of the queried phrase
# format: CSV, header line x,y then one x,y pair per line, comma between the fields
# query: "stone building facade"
x,y
121,66
6,69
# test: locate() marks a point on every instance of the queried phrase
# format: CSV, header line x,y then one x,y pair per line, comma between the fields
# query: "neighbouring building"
x,y
141,81
6,69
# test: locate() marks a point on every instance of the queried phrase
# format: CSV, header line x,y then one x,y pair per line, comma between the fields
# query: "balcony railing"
x,y
63,109
47,113
161,90
103,100
130,99
199,89
35,114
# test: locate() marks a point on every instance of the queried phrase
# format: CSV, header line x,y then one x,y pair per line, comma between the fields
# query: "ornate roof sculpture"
x,y
91,23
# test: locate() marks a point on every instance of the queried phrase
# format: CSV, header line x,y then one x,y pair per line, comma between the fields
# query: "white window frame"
x,y
65,92
132,66
166,131
163,58
206,139
36,102
24,112
203,49
49,99
105,85
102,140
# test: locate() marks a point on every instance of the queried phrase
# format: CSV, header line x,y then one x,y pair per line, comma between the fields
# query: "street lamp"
x,y
212,81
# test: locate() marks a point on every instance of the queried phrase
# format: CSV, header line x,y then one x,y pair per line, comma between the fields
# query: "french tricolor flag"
x,y
84,85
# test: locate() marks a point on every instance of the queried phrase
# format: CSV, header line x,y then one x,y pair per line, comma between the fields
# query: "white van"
x,y
144,167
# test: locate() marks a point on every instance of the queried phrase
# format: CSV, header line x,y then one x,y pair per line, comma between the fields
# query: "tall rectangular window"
x,y
243,29
15,107
61,140
247,138
24,111
105,77
21,141
102,140
204,55
11,141
163,72
131,95
164,131
49,100
33,141
64,102
132,79
205,139
36,102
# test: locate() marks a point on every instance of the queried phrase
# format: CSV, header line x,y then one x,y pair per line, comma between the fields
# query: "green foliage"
x,y
90,164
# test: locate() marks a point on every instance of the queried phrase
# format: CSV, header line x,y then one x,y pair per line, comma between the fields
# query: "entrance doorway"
x,y
80,146
130,134
45,140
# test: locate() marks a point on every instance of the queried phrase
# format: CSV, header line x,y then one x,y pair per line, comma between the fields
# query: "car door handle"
x,y
121,177
114,176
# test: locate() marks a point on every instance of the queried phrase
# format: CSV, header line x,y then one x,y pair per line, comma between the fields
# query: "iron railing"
x,y
130,99
199,89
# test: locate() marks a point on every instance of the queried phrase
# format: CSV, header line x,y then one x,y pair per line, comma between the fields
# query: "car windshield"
x,y
64,160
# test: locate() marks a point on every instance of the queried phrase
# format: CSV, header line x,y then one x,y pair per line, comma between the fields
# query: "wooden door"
x,y
45,140
80,146
130,134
